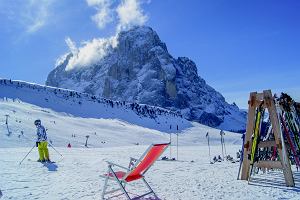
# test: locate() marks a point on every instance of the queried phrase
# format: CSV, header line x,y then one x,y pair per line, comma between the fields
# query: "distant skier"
x,y
41,142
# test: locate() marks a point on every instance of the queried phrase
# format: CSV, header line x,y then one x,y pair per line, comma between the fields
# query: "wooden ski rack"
x,y
266,99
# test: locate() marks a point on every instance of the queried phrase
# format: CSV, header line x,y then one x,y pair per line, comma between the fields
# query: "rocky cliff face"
x,y
138,68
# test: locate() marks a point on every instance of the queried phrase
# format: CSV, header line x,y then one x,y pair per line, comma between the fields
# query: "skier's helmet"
x,y
37,122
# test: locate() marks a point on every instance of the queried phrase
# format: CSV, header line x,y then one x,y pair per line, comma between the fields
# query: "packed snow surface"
x,y
76,174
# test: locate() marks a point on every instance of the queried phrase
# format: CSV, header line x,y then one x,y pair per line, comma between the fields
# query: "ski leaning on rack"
x,y
289,139
256,135
293,127
290,123
241,156
287,105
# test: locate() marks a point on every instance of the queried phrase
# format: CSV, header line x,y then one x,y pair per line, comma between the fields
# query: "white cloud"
x,y
104,13
35,14
127,13
130,14
96,2
90,53
30,15
71,45
35,26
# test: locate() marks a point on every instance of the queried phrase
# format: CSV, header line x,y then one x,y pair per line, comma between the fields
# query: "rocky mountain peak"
x,y
140,37
137,67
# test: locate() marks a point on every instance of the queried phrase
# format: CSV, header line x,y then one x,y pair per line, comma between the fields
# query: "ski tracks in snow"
x,y
77,176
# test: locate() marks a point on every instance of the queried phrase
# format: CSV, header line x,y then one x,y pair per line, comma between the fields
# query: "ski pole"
x,y
221,133
26,155
177,146
207,136
55,149
224,145
177,142
170,146
241,156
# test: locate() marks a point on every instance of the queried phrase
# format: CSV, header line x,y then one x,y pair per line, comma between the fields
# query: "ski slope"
x,y
107,123
76,175
88,106
21,132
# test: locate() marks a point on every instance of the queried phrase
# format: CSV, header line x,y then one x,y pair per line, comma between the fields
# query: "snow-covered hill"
x,y
90,106
135,66
106,122
76,174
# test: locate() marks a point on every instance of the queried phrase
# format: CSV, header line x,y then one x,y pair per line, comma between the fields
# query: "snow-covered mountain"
x,y
108,123
135,66
90,106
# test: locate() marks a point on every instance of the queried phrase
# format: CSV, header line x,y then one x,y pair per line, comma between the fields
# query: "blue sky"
x,y
238,46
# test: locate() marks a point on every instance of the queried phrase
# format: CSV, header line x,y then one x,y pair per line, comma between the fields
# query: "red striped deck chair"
x,y
135,171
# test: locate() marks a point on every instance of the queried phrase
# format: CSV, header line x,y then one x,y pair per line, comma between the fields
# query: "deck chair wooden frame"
x,y
135,171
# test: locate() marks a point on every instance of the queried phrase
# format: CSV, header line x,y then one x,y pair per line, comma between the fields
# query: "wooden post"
x,y
286,167
250,126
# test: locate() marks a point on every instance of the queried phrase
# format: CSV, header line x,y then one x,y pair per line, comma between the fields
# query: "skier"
x,y
41,142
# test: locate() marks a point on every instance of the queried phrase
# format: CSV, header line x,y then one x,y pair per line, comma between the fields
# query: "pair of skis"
x,y
256,136
293,127
290,123
289,139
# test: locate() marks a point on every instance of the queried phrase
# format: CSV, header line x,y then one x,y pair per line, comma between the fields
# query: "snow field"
x,y
76,175
102,132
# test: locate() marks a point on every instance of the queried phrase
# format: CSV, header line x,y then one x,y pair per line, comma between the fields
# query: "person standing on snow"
x,y
41,142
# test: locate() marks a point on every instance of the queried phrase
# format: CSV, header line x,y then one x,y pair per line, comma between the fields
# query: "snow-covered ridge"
x,y
63,129
108,123
91,106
